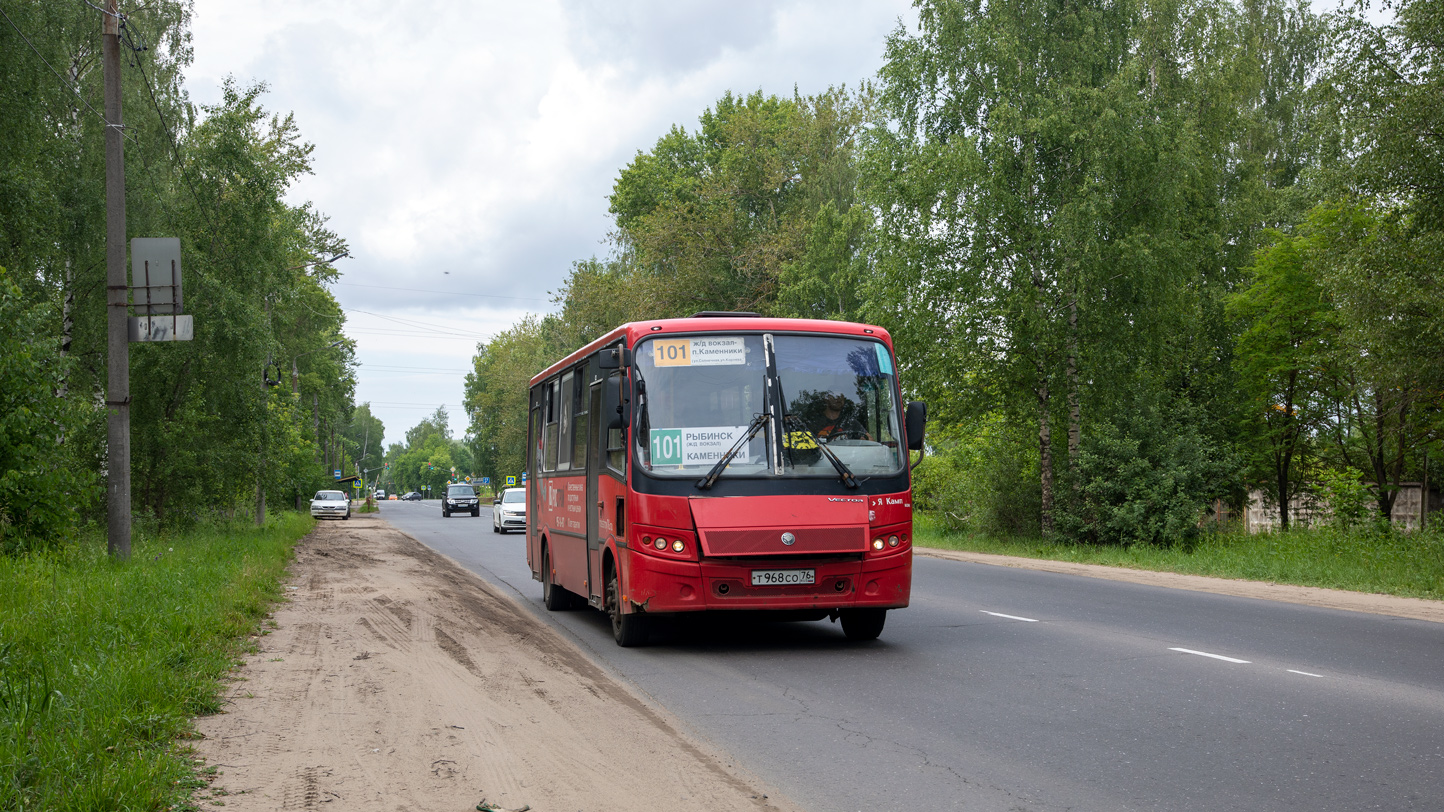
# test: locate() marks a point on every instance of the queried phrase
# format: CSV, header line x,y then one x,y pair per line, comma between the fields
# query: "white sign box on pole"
x,y
155,275
161,328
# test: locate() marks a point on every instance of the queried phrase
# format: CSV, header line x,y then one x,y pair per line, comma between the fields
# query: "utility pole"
x,y
117,298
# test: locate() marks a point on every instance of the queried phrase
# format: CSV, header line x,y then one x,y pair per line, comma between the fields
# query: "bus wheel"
x,y
627,630
863,624
555,598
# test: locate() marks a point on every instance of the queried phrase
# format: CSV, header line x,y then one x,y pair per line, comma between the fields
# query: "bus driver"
x,y
837,421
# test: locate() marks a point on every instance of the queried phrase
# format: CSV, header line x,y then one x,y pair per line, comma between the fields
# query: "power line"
x,y
103,11
415,324
409,334
444,292
396,368
74,88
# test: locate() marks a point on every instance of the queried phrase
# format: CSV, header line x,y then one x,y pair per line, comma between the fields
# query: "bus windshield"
x,y
702,392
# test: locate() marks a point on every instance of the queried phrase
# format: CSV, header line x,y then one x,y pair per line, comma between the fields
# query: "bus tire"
x,y
555,598
627,629
863,624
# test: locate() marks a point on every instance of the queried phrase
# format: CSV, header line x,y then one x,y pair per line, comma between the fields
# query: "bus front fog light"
x,y
660,544
678,546
892,541
877,544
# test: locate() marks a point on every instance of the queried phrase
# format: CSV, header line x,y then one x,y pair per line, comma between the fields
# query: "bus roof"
x,y
637,330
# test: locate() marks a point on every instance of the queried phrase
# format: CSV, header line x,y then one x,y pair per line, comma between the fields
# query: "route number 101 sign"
x,y
712,351
696,446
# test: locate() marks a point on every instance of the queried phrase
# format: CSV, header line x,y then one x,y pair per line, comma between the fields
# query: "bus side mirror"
x,y
914,424
618,393
615,358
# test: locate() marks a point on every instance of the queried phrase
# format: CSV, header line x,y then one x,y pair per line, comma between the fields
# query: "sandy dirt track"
x,y
396,680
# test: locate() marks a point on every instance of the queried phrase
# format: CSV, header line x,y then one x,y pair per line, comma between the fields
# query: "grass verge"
x,y
1386,562
103,664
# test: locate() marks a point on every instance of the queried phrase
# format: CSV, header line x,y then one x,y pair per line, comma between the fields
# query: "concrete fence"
x,y
1312,510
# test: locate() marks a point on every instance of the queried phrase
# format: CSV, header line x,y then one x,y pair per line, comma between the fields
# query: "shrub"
x,y
1145,477
39,492
981,479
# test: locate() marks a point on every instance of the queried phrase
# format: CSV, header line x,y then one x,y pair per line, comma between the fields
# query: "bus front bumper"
x,y
658,585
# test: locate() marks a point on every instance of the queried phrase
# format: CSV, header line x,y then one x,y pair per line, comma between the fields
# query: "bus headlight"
x,y
877,544
892,541
678,546
660,543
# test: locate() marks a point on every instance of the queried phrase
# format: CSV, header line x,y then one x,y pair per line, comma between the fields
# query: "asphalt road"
x,y
1009,689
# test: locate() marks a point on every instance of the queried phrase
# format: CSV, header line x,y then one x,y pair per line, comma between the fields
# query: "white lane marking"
x,y
1010,617
1206,654
1305,673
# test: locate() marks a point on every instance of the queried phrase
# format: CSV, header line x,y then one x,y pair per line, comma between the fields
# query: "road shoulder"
x,y
395,679
1413,608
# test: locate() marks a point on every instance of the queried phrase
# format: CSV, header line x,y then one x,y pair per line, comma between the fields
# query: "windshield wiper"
x,y
758,422
847,478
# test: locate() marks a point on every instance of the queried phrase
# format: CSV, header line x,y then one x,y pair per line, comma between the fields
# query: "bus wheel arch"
x,y
554,597
628,628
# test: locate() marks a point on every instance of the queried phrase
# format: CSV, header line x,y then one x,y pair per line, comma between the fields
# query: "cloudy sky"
x,y
466,150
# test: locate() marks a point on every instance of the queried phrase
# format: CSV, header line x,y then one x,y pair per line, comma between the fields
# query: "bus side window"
x,y
549,410
564,411
579,421
616,437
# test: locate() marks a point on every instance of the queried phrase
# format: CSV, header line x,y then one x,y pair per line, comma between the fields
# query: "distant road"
x,y
1011,689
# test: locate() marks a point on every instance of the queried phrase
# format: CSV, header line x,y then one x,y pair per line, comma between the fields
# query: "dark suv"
x,y
460,499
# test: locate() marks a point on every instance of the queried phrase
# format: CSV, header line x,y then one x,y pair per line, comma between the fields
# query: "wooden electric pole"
x,y
117,298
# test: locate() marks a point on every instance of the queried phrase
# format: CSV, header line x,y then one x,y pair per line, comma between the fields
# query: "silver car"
x,y
508,511
331,505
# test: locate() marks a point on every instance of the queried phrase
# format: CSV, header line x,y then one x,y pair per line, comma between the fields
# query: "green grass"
x,y
1411,565
103,664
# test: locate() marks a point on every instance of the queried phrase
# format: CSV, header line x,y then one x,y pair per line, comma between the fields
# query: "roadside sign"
x,y
337,474
356,484
523,477
155,274
511,482
161,328
486,480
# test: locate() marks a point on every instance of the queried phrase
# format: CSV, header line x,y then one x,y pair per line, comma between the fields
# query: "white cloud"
x,y
469,148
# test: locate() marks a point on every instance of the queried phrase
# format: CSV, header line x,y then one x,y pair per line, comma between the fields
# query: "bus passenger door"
x,y
595,588
533,490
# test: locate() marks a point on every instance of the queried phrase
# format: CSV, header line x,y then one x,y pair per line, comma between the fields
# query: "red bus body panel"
x,y
754,525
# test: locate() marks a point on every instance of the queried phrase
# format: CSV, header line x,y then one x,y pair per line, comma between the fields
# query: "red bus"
x,y
724,462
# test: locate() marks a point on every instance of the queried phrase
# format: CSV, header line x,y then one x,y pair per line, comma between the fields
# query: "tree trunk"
x,y
1285,455
1075,416
1283,496
1045,452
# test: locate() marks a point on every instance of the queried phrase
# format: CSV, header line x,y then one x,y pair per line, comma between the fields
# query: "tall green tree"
x,y
1385,292
1380,238
497,396
39,481
755,210
1286,344
1058,185
365,434
207,431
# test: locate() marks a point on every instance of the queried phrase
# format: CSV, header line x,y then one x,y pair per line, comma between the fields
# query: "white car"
x,y
380,494
508,510
331,505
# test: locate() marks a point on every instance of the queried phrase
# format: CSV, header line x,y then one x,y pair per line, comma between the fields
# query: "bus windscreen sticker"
x,y
711,351
884,363
696,446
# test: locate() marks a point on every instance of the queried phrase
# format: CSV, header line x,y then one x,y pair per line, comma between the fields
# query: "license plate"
x,y
783,577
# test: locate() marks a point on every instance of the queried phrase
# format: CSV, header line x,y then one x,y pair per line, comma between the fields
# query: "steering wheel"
x,y
849,435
